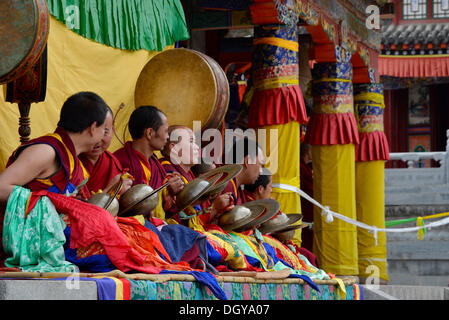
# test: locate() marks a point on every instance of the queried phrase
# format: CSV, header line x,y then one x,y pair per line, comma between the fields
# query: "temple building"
x,y
414,68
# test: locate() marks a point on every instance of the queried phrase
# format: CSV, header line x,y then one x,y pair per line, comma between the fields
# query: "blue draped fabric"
x,y
175,238
94,263
178,239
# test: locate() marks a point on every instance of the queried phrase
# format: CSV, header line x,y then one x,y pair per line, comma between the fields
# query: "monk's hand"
x,y
126,184
223,203
127,181
175,184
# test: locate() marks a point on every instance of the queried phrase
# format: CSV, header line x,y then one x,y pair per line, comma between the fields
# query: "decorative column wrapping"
x,y
332,132
277,103
277,97
370,186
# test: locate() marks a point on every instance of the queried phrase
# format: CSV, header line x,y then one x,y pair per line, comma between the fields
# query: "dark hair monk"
x,y
148,127
246,152
51,161
104,169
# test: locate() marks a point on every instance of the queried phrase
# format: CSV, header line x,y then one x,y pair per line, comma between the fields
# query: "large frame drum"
x,y
23,35
187,86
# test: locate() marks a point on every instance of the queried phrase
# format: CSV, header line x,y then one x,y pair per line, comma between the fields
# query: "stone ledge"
x,y
415,292
46,290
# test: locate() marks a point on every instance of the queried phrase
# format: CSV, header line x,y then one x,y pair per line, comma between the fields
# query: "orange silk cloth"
x,y
147,243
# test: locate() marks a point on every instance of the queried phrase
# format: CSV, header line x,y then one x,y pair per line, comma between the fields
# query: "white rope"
x,y
329,215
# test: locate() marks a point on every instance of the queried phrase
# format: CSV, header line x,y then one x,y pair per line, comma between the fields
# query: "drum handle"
x,y
122,105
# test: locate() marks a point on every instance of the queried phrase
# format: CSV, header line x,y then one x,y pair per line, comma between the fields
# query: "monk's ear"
x,y
245,161
149,133
91,128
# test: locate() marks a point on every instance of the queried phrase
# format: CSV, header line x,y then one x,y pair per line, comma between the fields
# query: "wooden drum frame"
x,y
187,86
23,36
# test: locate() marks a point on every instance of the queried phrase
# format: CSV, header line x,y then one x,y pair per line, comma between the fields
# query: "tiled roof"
x,y
414,39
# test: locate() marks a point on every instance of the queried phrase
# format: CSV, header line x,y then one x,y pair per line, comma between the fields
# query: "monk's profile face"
x,y
105,142
93,135
253,167
265,193
158,139
185,150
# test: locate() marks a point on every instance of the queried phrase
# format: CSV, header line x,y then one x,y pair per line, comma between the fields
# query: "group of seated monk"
x,y
58,165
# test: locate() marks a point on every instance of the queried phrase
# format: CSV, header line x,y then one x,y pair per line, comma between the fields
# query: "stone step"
x,y
409,211
418,262
400,292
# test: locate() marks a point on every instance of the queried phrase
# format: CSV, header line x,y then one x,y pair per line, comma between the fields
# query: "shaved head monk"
x,y
180,152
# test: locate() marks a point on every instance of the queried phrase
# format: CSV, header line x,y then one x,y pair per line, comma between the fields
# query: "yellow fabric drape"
x,y
335,243
370,199
76,64
285,167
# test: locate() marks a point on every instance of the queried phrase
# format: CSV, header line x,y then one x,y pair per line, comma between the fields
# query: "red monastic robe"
x,y
102,172
148,171
71,173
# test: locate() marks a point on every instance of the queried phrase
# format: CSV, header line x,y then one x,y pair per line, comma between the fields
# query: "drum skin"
x,y
24,26
187,86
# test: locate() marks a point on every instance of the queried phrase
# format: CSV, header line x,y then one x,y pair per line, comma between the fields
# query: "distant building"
x,y
414,68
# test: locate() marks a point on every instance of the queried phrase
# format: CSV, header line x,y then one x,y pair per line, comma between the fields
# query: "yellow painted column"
x,y
332,132
371,154
277,108
284,164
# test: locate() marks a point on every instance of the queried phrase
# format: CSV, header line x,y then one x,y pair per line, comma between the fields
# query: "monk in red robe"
x,y
51,162
261,189
247,153
104,169
148,127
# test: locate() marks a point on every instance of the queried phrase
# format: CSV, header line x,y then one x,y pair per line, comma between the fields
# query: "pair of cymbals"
x,y
194,190
259,211
282,222
207,185
139,199
224,173
204,186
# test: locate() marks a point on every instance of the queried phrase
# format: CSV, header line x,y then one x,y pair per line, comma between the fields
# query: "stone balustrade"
x,y
417,185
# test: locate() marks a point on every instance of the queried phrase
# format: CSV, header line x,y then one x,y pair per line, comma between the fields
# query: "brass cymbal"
x,y
239,216
193,191
226,173
271,207
140,195
280,222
